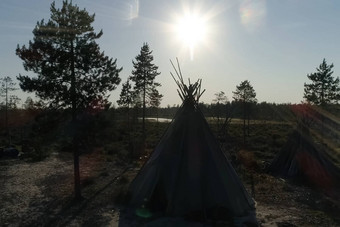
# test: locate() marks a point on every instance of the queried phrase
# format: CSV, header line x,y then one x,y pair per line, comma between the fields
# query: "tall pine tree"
x,y
71,70
143,75
324,89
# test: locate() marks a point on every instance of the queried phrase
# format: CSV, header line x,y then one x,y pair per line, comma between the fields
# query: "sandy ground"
x,y
40,194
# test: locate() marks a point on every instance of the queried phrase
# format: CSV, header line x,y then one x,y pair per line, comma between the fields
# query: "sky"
x,y
272,43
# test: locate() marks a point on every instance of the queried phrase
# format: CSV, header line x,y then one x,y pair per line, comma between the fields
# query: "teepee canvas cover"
x,y
188,172
301,159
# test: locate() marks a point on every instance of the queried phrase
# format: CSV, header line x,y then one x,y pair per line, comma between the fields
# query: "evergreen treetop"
x,y
245,92
144,72
324,88
67,60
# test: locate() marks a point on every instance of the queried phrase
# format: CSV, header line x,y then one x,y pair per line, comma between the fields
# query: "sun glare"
x,y
191,30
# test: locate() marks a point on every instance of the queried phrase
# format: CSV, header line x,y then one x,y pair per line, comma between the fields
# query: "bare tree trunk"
x,y
144,107
244,121
248,116
143,124
6,113
77,191
131,142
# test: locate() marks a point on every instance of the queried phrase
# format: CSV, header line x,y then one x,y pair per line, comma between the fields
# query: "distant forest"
x,y
234,110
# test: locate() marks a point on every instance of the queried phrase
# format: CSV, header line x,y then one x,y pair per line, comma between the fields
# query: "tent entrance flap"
x,y
158,201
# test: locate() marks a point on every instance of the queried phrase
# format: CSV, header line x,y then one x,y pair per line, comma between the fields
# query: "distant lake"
x,y
166,120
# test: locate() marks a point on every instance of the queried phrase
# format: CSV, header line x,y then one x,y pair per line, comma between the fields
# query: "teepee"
x,y
187,173
303,160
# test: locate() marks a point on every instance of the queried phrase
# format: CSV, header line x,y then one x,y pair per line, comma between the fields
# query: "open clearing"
x,y
40,193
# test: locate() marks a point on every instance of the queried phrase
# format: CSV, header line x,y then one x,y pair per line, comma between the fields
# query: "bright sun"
x,y
191,29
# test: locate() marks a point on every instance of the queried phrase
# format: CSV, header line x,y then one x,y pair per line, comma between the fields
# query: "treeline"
x,y
257,111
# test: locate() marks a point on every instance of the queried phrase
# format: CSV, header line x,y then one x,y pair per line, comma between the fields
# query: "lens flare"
x,y
252,14
143,213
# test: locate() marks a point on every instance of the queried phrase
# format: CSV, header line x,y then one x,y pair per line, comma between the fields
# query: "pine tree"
x,y
143,76
245,94
324,89
126,95
10,100
71,70
126,98
155,100
219,101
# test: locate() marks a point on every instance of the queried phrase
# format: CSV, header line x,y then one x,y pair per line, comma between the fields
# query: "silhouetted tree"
x,y
126,95
324,89
245,94
72,71
28,104
143,75
219,102
126,99
10,100
155,100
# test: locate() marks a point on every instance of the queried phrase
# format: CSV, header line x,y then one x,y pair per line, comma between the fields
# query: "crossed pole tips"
x,y
190,91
